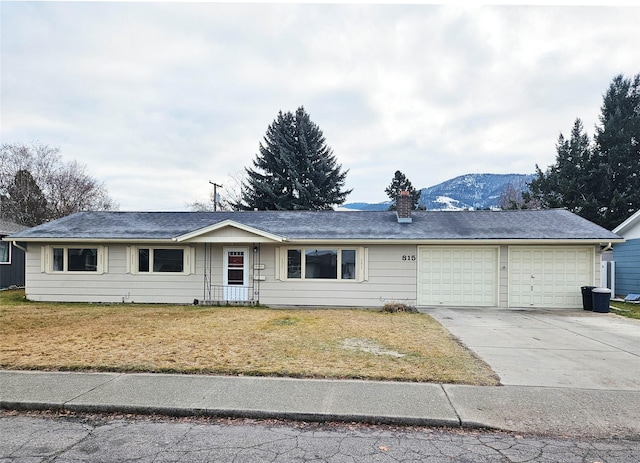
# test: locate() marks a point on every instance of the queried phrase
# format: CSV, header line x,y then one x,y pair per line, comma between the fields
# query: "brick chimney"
x,y
403,207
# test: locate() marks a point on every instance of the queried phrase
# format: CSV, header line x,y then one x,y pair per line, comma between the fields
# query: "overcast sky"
x,y
158,99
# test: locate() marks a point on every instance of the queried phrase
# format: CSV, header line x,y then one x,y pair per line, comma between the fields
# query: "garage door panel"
x,y
457,276
549,277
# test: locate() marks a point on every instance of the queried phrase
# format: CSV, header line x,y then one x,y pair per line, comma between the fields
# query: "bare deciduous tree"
x,y
71,190
516,197
65,186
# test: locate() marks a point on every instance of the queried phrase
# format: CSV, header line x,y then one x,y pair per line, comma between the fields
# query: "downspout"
x,y
15,243
608,247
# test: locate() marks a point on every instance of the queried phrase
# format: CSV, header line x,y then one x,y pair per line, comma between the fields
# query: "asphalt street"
x,y
74,438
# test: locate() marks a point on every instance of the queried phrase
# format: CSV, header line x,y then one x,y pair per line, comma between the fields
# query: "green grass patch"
x,y
626,309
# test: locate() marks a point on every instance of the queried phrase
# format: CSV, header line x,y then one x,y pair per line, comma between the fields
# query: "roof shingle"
x,y
553,224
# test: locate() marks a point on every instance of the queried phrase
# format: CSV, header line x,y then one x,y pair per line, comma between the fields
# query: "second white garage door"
x,y
458,276
549,276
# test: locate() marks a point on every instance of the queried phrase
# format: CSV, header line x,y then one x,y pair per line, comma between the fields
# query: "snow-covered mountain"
x,y
471,191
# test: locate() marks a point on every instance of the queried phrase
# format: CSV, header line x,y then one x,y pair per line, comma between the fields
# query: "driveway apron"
x,y
550,347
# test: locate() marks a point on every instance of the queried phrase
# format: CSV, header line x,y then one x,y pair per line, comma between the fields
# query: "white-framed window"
x,y
323,263
160,260
5,252
74,259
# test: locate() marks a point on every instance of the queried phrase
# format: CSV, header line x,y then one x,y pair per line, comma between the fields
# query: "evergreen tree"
x,y
401,183
616,162
563,184
601,182
295,169
24,201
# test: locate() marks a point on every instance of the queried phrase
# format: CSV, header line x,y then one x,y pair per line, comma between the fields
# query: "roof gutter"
x,y
513,241
335,241
94,240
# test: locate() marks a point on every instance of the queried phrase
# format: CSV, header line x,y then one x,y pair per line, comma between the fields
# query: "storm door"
x,y
236,274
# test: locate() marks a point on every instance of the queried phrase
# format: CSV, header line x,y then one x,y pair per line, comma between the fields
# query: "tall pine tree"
x,y
563,183
600,182
24,201
295,169
616,160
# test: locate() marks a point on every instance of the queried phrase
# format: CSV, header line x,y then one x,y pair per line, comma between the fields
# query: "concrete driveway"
x,y
550,347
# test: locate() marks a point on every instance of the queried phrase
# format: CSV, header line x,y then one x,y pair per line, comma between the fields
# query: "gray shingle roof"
x,y
7,227
554,224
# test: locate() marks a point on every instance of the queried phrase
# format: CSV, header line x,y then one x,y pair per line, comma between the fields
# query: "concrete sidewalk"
x,y
563,411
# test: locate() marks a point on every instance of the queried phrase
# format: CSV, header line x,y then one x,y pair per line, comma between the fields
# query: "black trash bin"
x,y
601,299
587,298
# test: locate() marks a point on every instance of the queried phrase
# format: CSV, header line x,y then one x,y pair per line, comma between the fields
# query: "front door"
x,y
236,275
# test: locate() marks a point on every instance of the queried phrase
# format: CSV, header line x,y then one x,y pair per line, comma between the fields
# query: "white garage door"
x,y
549,276
458,275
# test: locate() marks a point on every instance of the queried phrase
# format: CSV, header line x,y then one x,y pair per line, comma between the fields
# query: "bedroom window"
x,y
75,259
5,257
150,260
160,260
321,263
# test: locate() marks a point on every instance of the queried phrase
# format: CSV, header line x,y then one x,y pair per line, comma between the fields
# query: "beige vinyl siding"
x,y
389,278
226,234
114,285
391,275
214,269
503,279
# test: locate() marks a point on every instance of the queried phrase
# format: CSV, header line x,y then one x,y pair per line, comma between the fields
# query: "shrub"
x,y
393,307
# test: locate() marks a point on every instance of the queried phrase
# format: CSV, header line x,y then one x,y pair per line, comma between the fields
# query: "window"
x,y
5,257
58,259
348,267
68,259
82,260
321,263
164,260
143,260
235,268
159,260
294,263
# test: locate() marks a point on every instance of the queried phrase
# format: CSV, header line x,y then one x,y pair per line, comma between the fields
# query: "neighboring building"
x,y
11,257
627,257
303,258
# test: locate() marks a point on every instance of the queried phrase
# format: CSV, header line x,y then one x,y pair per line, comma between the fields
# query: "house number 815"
x,y
412,257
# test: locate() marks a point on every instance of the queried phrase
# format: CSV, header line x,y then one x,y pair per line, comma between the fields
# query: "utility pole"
x,y
215,195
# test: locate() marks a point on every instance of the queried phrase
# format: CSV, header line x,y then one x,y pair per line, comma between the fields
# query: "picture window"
x,y
321,264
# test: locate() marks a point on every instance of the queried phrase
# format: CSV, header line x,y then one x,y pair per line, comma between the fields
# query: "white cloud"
x,y
159,98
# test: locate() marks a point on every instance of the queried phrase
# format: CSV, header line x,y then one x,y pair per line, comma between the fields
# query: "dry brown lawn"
x,y
233,341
